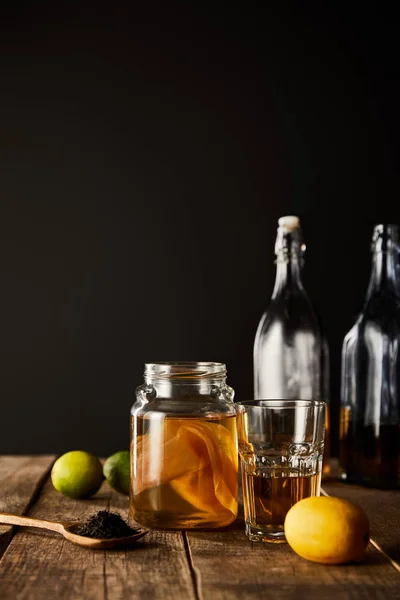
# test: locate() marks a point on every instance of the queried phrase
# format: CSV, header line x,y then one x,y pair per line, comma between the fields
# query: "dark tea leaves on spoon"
x,y
105,524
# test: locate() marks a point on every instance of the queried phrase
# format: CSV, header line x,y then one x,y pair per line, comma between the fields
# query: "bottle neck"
x,y
288,275
384,273
289,250
383,277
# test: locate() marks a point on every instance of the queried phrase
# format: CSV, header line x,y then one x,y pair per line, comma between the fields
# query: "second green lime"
x,y
116,470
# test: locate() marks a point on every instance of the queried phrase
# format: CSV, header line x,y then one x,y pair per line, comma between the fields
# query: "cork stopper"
x,y
289,239
289,223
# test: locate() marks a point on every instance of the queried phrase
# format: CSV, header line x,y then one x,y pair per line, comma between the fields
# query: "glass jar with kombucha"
x,y
184,456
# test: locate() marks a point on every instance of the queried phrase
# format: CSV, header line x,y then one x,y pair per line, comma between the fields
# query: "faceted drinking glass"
x,y
281,446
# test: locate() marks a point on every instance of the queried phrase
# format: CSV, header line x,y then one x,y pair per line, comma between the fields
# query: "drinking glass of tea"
x,y
281,446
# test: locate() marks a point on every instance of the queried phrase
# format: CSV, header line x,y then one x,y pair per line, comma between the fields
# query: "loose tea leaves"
x,y
106,524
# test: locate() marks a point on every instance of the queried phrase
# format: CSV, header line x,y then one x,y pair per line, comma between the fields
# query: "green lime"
x,y
116,470
77,474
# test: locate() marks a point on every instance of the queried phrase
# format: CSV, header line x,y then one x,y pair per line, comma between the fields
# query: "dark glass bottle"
x,y
370,382
291,356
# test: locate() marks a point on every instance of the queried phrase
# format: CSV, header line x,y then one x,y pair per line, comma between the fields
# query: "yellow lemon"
x,y
77,474
327,530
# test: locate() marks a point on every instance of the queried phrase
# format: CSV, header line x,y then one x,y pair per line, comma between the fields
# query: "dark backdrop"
x,y
145,158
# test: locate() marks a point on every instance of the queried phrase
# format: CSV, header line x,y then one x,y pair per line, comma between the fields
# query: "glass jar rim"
x,y
281,403
184,370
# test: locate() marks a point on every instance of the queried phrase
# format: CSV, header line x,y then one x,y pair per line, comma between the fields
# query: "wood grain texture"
x,y
20,479
40,565
227,566
217,565
383,510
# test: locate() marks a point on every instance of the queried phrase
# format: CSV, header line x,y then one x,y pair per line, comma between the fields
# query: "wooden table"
x,y
222,565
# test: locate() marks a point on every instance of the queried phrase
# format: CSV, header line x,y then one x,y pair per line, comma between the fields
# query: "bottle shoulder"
x,y
381,310
297,312
383,306
370,327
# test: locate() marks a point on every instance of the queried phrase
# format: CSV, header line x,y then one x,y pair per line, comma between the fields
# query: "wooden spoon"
x,y
67,530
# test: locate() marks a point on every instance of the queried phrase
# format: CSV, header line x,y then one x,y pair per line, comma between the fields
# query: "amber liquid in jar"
x,y
184,471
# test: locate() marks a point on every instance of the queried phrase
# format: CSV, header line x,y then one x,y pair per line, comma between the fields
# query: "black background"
x,y
145,157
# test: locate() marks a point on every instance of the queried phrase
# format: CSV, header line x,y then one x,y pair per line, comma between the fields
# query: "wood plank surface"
x,y
20,479
227,566
383,510
40,565
217,565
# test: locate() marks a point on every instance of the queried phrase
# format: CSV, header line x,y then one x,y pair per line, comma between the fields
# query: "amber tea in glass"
x,y
281,445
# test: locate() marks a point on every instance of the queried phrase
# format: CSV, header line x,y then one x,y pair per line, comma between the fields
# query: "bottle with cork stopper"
x,y
291,354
